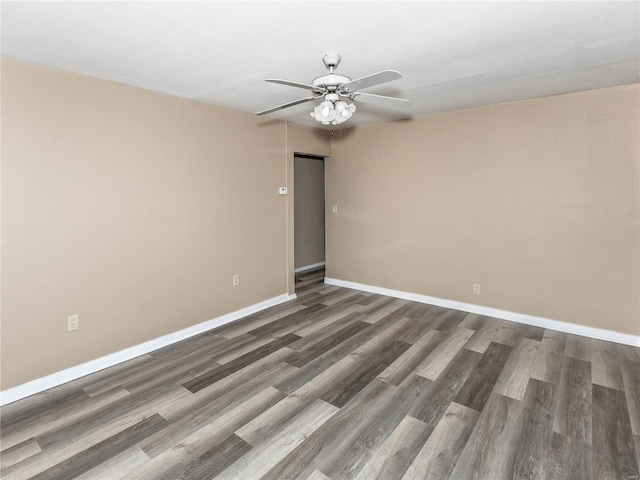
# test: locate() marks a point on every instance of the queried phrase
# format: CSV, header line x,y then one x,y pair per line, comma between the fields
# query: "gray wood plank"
x,y
441,451
435,363
318,475
445,319
329,444
475,321
342,296
340,320
107,375
173,374
568,459
385,311
439,394
498,331
97,454
364,344
260,459
637,442
70,439
18,453
409,360
241,345
630,366
214,405
414,330
490,450
254,376
517,370
207,379
573,410
103,423
605,365
259,428
327,383
117,467
535,435
314,351
476,390
80,405
259,319
394,456
213,461
316,387
548,363
288,323
196,441
614,454
161,360
330,316
578,347
421,312
347,388
351,450
531,332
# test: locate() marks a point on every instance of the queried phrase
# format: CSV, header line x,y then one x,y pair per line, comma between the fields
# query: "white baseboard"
x,y
566,327
309,267
36,386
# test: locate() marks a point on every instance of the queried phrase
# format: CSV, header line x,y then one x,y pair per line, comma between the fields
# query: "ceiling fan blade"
x,y
382,100
295,84
287,105
370,81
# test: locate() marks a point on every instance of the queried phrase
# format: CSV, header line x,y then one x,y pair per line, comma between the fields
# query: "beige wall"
x,y
134,210
309,211
536,201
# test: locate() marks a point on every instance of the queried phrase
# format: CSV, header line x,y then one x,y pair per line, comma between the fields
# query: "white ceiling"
x,y
453,55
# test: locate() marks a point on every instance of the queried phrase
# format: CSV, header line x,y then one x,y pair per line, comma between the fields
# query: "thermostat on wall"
x,y
283,190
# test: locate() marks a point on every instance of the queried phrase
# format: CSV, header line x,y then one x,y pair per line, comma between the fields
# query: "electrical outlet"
x,y
476,289
334,209
236,280
73,322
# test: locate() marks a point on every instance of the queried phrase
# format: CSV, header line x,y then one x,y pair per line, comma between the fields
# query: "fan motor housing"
x,y
331,80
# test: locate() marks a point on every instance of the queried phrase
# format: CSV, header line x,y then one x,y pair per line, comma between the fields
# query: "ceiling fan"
x,y
333,88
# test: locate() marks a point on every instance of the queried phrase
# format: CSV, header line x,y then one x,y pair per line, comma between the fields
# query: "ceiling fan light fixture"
x,y
324,113
333,111
344,111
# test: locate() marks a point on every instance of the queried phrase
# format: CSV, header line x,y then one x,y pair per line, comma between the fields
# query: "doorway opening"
x,y
309,221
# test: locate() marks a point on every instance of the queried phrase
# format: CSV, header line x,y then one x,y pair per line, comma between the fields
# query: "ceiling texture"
x,y
453,55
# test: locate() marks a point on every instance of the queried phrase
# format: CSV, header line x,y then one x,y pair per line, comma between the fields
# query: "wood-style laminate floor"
x,y
342,384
